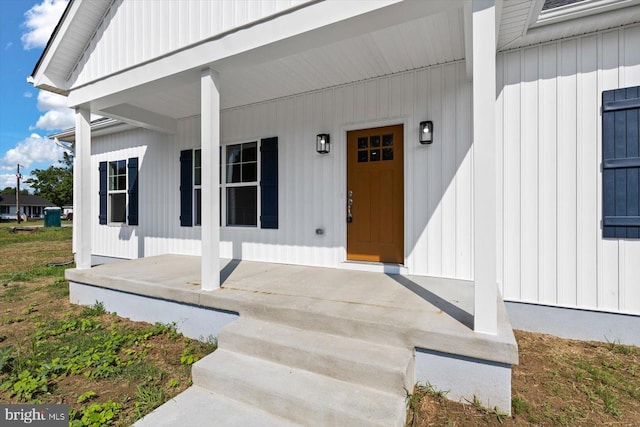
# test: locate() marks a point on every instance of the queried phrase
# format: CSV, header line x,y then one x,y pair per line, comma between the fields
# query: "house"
x,y
417,175
30,206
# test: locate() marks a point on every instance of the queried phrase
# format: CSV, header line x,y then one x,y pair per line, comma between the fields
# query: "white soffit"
x,y
430,40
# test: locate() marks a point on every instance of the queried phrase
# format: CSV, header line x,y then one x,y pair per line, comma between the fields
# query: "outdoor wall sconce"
x,y
323,144
426,132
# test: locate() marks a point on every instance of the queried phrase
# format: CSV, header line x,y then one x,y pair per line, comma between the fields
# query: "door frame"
x,y
408,187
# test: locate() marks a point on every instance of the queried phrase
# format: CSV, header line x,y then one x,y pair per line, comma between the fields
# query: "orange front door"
x,y
375,193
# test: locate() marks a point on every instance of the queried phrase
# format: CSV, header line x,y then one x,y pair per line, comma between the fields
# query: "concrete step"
x,y
197,407
385,368
300,396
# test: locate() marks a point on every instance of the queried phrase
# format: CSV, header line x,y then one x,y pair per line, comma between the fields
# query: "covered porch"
x,y
432,317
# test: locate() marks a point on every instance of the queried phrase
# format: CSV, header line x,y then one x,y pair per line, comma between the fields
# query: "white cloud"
x,y
33,149
27,94
7,180
57,115
40,21
8,45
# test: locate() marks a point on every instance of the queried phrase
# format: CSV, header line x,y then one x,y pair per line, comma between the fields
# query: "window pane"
x,y
249,172
122,182
250,152
242,206
363,156
233,173
363,142
233,153
197,158
374,156
387,154
197,200
387,140
118,203
197,176
375,141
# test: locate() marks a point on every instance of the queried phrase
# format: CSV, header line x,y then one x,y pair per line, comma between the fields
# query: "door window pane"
x,y
375,141
363,156
374,156
387,154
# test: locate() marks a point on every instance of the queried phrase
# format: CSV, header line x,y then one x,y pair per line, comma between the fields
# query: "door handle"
x,y
349,204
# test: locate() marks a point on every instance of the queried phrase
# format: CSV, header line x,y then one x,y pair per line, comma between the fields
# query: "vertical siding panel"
x,y
434,178
512,167
567,175
448,171
529,173
588,165
421,213
609,286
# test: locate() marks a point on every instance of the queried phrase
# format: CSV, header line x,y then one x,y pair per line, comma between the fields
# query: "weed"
x,y
25,386
610,401
477,404
414,399
173,383
188,356
6,358
96,309
148,398
31,308
96,414
519,405
86,396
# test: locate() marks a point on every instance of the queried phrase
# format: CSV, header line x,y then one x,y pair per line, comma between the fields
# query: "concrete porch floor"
x,y
428,313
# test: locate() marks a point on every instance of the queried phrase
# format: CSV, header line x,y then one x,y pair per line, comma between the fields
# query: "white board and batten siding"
x,y
312,187
549,147
133,32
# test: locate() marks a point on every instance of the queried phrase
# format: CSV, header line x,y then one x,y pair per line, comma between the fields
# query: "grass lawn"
x,y
111,371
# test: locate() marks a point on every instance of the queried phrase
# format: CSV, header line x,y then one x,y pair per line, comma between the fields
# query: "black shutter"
x,y
103,193
269,182
621,163
132,171
186,188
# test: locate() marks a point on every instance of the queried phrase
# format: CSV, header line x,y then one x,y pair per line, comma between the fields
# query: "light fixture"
x,y
323,144
426,132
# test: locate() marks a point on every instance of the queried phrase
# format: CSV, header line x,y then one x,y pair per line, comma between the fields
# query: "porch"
x,y
335,321
429,313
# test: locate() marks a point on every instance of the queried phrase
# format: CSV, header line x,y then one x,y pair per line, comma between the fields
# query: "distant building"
x,y
30,206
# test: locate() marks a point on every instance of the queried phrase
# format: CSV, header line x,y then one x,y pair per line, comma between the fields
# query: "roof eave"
x,y
36,74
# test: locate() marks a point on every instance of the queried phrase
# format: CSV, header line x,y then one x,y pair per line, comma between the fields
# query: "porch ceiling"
x,y
424,41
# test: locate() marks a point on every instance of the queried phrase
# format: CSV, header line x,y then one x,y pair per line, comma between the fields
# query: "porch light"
x,y
323,145
426,132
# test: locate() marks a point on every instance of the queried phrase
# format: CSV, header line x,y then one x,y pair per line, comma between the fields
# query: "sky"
x,y
27,114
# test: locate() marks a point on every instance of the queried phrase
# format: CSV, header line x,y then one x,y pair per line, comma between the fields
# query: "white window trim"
x,y
110,222
224,185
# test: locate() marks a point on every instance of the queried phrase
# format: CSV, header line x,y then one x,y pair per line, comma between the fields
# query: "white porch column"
x,y
484,165
210,140
83,188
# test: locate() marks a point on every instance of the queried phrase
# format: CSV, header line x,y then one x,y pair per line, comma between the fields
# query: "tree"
x,y
12,190
54,183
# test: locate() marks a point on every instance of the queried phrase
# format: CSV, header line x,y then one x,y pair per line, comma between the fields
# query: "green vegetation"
x,y
110,370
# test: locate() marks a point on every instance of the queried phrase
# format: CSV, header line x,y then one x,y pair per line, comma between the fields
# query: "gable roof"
x,y
25,200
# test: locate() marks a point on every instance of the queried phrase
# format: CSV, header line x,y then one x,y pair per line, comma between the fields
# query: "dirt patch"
x,y
558,382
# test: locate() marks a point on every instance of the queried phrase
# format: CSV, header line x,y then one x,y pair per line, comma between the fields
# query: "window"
x,y
239,185
119,192
621,163
4,209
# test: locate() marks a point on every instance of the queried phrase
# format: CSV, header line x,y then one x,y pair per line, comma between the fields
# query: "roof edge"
x,y
53,36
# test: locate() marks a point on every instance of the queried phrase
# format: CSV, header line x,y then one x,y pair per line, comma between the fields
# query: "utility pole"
x,y
18,178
